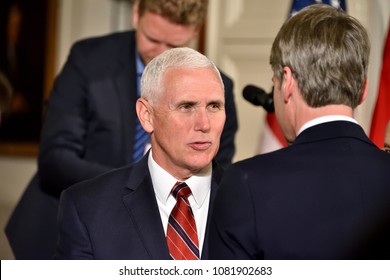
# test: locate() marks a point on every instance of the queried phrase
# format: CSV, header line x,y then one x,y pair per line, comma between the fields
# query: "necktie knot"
x,y
181,189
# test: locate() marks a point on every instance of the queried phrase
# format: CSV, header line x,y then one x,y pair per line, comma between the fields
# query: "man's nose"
x,y
202,120
161,47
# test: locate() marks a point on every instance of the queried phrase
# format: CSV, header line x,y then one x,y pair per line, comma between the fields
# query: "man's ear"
x,y
288,83
135,15
364,93
144,113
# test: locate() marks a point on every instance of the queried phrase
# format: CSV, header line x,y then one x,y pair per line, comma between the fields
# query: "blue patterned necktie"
x,y
140,140
141,137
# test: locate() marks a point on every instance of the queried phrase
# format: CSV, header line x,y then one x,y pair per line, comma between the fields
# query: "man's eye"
x,y
214,107
185,107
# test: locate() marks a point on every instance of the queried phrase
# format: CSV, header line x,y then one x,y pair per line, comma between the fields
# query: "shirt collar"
x,y
139,64
163,182
324,119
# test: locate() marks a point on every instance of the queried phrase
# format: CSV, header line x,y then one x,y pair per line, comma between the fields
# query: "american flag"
x,y
381,116
300,4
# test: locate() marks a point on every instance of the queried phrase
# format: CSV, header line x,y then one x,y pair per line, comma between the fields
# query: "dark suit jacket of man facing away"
x,y
115,216
327,196
89,129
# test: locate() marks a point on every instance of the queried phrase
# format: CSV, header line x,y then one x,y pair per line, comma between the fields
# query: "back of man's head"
x,y
327,51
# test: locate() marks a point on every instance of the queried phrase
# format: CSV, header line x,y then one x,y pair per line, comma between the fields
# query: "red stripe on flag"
x,y
381,114
272,136
276,130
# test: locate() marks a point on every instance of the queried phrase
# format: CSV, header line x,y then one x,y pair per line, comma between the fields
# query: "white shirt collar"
x,y
163,182
325,119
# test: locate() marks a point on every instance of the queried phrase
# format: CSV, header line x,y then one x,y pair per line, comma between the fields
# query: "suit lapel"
x,y
143,210
216,178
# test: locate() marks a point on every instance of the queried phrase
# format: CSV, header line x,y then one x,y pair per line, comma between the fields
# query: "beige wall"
x,y
240,33
15,172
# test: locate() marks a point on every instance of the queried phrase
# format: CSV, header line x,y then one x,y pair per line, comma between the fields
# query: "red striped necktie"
x,y
182,237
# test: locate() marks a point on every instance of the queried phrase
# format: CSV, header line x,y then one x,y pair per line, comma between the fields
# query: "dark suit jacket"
x,y
327,196
115,216
88,130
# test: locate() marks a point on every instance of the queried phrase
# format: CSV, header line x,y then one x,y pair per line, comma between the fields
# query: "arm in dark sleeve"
x,y
232,228
227,146
63,142
73,239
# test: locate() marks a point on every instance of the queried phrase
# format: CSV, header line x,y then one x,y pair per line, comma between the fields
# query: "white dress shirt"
x,y
199,184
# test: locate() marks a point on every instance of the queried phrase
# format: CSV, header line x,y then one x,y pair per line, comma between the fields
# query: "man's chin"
x,y
200,162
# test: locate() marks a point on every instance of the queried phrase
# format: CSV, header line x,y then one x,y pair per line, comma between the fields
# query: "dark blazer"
x,y
88,130
327,196
115,216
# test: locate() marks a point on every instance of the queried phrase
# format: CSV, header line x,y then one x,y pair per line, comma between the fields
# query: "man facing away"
x,y
91,125
326,196
128,213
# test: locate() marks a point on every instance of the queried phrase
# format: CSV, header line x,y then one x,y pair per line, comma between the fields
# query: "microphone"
x,y
258,97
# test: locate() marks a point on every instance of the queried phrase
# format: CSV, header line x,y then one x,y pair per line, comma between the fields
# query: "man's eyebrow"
x,y
218,101
187,102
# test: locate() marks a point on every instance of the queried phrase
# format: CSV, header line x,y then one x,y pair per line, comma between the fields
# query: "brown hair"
x,y
185,12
